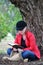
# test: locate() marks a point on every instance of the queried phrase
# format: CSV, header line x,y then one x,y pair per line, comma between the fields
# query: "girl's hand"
x,y
14,49
20,50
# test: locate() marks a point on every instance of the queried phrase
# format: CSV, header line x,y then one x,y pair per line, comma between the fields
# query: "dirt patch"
x,y
7,62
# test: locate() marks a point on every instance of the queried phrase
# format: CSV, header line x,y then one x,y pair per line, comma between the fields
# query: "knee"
x,y
24,55
9,50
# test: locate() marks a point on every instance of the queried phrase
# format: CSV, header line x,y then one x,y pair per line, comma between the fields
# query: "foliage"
x,y
9,15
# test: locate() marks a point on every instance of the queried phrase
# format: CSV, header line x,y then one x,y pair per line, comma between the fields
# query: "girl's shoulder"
x,y
29,34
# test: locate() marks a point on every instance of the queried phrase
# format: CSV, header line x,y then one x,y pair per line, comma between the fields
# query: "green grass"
x,y
9,16
2,52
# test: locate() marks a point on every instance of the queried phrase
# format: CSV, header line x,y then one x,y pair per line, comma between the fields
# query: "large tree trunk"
x,y
32,13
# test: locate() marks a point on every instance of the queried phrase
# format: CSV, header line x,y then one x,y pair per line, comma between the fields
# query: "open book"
x,y
16,46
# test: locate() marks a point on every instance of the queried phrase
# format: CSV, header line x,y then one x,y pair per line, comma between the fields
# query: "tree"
x,y
32,13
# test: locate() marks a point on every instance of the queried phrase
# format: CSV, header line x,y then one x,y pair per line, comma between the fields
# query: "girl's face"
x,y
22,31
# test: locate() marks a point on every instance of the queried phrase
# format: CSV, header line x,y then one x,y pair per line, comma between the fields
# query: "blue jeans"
x,y
25,54
29,54
9,51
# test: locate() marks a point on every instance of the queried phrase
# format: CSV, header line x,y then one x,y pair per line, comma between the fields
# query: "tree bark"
x,y
32,13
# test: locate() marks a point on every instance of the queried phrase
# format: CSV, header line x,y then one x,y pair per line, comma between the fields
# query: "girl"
x,y
26,39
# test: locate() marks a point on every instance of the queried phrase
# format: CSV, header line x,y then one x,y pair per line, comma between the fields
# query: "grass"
x,y
2,52
9,16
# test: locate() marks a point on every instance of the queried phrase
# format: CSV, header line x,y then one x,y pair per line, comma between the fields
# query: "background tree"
x,y
32,13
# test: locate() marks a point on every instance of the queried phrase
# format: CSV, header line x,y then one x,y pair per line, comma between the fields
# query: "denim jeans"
x,y
29,54
9,51
25,54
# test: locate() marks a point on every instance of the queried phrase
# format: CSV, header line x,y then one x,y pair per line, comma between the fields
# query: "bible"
x,y
15,46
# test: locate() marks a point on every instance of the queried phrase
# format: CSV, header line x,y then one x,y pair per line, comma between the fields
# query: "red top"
x,y
30,43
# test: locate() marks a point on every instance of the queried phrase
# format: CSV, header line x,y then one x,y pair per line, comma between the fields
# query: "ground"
x,y
7,62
